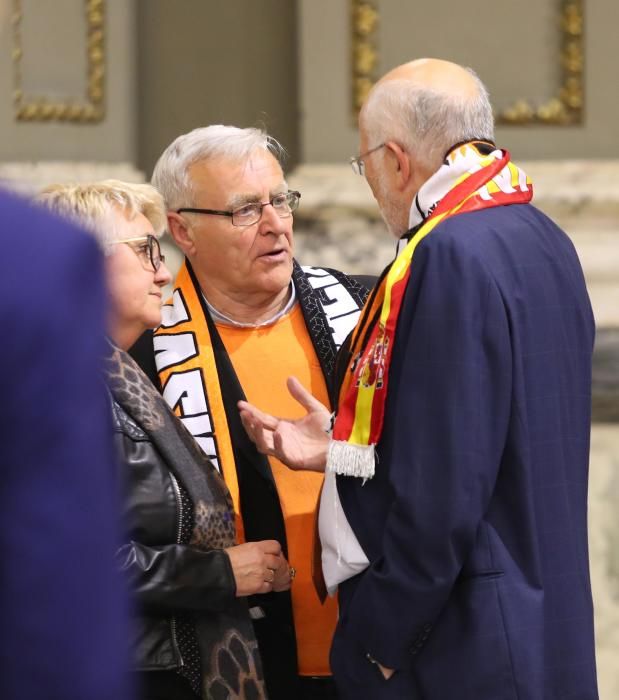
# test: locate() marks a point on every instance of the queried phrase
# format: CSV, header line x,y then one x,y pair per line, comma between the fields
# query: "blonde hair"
x,y
94,206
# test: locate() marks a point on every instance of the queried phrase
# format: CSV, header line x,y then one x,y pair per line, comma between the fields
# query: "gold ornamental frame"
x,y
364,50
565,108
87,109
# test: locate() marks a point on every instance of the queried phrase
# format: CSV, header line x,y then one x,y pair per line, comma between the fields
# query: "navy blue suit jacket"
x,y
476,521
63,631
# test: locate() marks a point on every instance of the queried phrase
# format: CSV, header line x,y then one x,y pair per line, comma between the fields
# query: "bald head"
x,y
427,106
435,74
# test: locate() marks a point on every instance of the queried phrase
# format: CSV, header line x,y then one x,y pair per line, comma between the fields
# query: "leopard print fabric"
x,y
213,526
235,670
133,390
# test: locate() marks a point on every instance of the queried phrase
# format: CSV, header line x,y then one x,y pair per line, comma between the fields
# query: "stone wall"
x,y
604,552
54,40
517,55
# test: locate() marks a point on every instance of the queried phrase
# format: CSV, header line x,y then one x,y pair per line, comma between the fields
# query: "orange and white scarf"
x,y
199,385
469,180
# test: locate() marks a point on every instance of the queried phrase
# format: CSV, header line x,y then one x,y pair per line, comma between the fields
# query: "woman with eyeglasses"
x,y
193,636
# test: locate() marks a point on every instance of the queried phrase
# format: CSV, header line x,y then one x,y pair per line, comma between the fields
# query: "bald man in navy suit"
x,y
470,575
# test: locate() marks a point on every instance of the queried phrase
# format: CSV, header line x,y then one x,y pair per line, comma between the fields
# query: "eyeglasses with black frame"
x,y
250,213
357,164
149,252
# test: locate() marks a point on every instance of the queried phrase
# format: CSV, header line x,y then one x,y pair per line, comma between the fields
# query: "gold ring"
x,y
293,572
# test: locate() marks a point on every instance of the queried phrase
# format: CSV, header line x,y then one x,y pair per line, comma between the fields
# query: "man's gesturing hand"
x,y
259,567
301,443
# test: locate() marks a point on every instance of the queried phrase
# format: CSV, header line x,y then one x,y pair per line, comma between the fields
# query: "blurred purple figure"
x,y
62,602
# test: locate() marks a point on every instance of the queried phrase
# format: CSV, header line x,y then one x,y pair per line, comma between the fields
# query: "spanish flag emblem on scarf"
x,y
490,181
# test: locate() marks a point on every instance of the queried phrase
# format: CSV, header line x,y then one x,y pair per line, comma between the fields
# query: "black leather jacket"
x,y
168,576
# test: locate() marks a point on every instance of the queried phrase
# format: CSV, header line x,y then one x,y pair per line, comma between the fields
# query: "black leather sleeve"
x,y
166,577
172,578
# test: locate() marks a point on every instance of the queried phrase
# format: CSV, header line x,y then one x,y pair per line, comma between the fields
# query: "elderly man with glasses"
x,y
453,517
242,318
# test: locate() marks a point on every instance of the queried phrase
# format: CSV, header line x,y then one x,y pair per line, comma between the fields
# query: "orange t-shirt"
x,y
263,358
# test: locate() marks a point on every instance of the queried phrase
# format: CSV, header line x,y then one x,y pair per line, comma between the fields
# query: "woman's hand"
x,y
283,576
301,443
259,567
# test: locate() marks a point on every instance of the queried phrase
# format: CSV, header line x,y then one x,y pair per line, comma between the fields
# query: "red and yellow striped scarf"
x,y
491,181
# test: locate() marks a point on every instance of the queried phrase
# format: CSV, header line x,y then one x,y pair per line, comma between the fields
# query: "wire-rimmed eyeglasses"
x,y
250,213
149,252
357,164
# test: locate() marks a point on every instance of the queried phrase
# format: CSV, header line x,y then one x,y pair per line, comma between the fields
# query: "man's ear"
x,y
401,164
181,233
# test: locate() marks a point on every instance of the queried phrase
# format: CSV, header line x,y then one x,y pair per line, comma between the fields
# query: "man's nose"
x,y
271,221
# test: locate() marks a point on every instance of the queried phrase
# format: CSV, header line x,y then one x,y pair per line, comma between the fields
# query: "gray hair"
x,y
171,176
94,206
424,121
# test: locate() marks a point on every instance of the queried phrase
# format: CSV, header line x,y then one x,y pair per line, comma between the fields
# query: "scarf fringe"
x,y
347,459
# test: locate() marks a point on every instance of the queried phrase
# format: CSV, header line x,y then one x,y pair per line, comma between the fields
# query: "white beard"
x,y
393,218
